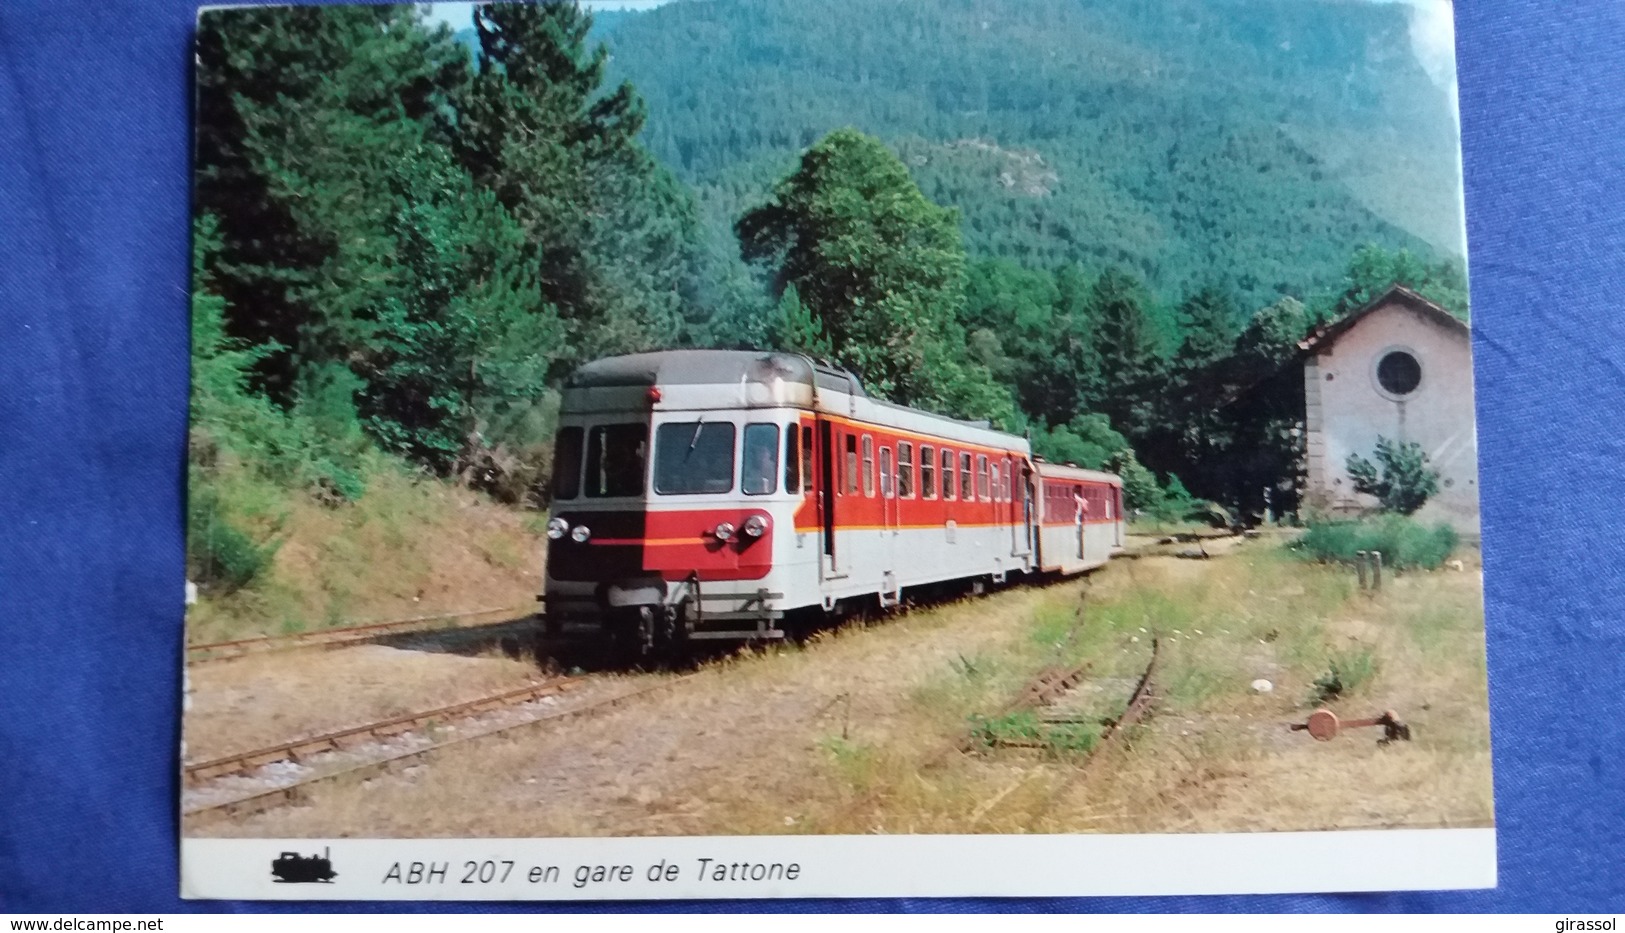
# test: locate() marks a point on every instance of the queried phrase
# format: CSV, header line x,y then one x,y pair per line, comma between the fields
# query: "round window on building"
x,y
1399,373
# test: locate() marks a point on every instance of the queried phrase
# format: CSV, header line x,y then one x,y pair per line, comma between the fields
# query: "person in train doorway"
x,y
1080,512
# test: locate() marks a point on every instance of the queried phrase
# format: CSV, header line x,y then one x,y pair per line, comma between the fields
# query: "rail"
x,y
332,638
288,793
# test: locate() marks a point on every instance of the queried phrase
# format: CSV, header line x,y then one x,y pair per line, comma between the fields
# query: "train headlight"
x,y
579,534
755,526
557,528
724,531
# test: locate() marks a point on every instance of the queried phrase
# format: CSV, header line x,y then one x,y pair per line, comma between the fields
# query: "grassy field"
x,y
854,731
1215,755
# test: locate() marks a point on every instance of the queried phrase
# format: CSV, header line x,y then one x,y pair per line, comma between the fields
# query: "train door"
x,y
829,563
889,524
1021,507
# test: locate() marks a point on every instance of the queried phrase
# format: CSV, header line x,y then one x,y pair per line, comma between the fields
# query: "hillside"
x,y
1257,143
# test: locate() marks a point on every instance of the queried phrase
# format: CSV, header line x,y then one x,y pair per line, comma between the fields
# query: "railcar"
x,y
719,494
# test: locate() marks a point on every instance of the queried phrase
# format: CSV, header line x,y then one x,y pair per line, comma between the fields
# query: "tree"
x,y
464,333
1087,440
1372,270
1400,479
880,268
614,236
1125,342
1208,319
797,330
1270,339
301,114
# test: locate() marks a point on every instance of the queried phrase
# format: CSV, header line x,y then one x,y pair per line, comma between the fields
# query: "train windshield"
x,y
693,457
616,455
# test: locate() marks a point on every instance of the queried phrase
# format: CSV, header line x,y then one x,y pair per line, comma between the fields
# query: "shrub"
x,y
1405,543
1400,479
1346,673
218,552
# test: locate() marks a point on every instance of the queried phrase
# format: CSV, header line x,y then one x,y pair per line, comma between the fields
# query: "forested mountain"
x,y
1250,144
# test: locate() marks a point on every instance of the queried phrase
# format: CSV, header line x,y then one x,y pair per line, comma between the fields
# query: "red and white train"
x,y
719,494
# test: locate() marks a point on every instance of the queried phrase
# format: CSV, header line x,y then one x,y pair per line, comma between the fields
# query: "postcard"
x,y
753,448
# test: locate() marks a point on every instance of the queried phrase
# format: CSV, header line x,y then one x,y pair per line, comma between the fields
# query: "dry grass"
x,y
409,547
848,734
259,700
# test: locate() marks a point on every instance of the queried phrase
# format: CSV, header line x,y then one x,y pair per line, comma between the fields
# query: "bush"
x,y
1400,479
1346,672
218,553
1405,544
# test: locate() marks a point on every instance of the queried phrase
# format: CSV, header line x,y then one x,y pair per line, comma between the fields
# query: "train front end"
x,y
678,480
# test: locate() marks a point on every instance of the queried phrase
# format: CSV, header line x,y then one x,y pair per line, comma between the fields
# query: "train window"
x,y
792,459
567,463
693,457
759,467
981,478
616,457
1009,485
885,472
948,485
967,484
868,466
905,470
928,472
806,459
852,464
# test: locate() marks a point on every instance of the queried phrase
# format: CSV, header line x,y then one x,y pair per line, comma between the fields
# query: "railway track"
x,y
243,763
1139,703
333,638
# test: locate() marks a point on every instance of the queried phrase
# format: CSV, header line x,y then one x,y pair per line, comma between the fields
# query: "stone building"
x,y
1401,367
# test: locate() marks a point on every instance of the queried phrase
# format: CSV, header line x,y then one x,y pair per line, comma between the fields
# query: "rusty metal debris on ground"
x,y
1324,726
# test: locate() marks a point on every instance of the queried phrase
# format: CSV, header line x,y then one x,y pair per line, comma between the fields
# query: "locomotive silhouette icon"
x,y
293,868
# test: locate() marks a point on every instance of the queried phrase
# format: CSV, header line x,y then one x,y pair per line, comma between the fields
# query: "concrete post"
x,y
1376,571
1359,567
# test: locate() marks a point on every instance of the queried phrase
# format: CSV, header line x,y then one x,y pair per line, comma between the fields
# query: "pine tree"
x,y
1126,345
301,113
798,330
1208,319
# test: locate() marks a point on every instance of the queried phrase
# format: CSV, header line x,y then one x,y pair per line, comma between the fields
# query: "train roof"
x,y
740,369
712,367
1068,471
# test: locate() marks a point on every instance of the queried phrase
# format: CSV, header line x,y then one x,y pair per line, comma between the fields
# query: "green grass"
x,y
1346,673
1023,727
1405,544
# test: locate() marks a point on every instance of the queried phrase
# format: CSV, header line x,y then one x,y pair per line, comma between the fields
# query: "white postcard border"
x,y
850,866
